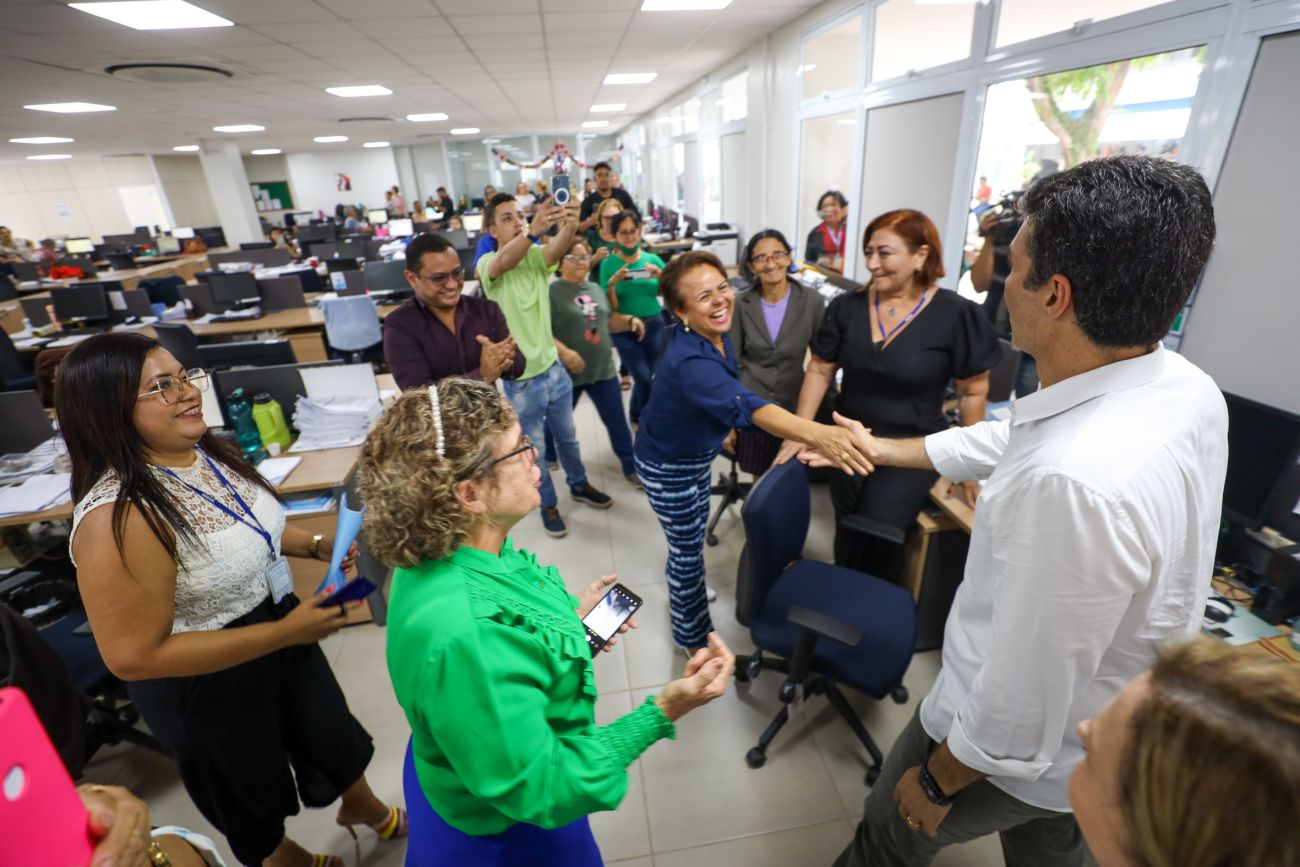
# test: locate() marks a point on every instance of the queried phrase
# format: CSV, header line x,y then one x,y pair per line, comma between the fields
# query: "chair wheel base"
x,y
742,674
755,758
899,694
873,774
711,540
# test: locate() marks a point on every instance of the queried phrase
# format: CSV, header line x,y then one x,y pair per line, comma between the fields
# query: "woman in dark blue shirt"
x,y
697,400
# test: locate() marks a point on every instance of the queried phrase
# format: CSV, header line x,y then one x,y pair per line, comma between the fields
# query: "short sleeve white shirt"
x,y
1093,545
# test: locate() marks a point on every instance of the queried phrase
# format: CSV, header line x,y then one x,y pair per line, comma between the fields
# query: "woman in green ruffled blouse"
x,y
486,649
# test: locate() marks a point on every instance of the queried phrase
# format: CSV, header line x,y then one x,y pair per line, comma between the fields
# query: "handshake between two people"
x,y
847,445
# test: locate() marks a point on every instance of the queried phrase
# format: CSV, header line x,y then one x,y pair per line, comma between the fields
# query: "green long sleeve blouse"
x,y
492,668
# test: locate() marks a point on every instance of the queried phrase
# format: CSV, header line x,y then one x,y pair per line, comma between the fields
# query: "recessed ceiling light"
x,y
631,77
807,67
683,5
239,127
326,139
421,118
594,124
265,152
154,14
465,130
375,144
51,157
359,90
608,107
40,139
71,107
186,148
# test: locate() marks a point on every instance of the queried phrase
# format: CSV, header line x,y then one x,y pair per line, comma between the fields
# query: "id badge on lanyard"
x,y
279,579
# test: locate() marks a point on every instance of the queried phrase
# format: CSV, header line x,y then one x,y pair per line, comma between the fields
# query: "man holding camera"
x,y
988,274
517,277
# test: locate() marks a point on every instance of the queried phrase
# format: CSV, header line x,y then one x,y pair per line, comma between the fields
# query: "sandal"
x,y
326,861
392,828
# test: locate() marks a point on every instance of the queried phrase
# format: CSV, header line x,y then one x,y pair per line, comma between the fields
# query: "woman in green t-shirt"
x,y
600,237
631,279
486,648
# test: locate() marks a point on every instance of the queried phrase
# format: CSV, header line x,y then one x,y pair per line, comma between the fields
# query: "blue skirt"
x,y
434,843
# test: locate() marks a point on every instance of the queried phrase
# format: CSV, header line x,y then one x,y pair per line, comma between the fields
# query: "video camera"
x,y
1009,219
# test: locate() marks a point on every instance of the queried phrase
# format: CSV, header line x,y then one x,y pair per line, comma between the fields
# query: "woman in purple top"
x,y
776,319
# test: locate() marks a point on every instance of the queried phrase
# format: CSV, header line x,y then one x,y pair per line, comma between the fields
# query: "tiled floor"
x,y
691,801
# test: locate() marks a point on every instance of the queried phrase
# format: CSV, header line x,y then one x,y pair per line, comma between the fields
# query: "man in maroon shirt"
x,y
441,332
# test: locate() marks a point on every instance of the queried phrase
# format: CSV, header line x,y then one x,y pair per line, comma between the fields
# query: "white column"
x,y
407,178
228,184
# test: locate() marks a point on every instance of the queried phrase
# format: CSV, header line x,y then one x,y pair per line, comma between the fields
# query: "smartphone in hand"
x,y
614,609
357,588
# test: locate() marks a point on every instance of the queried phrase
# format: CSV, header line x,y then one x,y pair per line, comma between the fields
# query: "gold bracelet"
x,y
314,545
157,857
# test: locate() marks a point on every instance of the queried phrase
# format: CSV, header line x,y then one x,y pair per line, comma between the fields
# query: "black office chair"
x,y
828,626
8,290
731,489
16,373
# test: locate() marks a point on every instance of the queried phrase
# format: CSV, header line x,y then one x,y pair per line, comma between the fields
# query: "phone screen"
x,y
560,189
610,613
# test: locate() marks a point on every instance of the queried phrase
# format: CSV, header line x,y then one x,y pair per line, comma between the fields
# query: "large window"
x,y
735,98
827,157
831,59
1019,20
912,35
711,177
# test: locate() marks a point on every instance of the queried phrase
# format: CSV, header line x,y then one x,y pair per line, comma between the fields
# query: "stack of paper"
x,y
276,470
333,422
35,494
23,465
308,503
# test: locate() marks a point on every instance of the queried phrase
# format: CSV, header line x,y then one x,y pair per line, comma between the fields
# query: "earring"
x,y
687,326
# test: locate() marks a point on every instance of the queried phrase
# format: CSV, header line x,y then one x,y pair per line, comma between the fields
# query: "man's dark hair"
x,y
490,212
616,221
601,165
425,242
1131,233
442,189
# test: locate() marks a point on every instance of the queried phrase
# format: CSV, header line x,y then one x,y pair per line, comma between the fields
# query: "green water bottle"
x,y
240,412
271,424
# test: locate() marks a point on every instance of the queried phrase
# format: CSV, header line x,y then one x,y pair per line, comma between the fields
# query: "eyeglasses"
x,y
441,278
776,258
577,259
172,388
526,445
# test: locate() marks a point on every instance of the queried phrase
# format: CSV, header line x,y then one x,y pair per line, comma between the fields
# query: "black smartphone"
x,y
614,609
638,274
560,189
357,588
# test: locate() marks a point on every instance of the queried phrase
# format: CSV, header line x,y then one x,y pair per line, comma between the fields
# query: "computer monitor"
x,y
183,232
86,301
256,245
76,246
473,223
168,245
401,228
386,276
376,216
334,266
213,236
239,288
249,353
692,226
317,232
351,248
1263,446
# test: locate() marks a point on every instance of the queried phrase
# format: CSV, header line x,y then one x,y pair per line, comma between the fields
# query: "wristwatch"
x,y
314,545
157,857
933,793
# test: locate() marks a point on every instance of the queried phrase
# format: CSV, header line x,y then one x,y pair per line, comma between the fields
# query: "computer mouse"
x,y
1218,609
133,320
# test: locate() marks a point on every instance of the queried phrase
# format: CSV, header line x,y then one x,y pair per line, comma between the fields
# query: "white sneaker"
x,y
710,594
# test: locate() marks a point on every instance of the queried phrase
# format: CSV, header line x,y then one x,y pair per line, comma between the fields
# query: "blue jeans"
x,y
547,400
607,395
641,357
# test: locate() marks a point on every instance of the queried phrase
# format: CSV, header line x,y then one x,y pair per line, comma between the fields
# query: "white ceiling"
x,y
505,66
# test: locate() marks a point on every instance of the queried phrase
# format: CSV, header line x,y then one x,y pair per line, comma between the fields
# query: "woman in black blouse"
x,y
898,341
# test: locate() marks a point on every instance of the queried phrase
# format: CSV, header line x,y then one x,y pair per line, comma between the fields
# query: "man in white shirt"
x,y
1095,530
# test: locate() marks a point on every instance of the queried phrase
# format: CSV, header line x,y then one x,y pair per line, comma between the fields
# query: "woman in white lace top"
x,y
179,546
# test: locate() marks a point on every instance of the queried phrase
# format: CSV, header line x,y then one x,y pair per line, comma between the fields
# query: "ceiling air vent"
x,y
366,120
169,73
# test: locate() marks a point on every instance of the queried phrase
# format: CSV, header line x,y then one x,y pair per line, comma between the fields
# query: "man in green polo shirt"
x,y
516,277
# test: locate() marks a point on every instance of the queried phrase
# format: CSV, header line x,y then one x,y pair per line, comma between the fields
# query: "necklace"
x,y
906,319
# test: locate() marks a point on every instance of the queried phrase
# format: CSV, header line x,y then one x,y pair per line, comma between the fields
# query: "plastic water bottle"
x,y
240,412
271,425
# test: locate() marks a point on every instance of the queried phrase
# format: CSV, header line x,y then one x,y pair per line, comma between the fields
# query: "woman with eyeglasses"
x,y
631,279
180,552
776,319
581,320
600,237
486,648
828,239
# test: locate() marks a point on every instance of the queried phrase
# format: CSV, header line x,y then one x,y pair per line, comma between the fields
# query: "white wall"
x,y
185,188
312,177
77,197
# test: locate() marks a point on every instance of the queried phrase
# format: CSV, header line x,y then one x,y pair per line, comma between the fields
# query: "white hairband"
x,y
437,421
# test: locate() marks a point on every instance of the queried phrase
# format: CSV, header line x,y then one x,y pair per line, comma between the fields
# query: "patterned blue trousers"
x,y
679,494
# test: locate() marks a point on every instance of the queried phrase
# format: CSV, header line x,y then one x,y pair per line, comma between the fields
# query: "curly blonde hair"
x,y
413,512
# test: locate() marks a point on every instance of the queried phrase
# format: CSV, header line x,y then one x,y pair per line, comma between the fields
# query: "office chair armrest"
x,y
823,625
873,528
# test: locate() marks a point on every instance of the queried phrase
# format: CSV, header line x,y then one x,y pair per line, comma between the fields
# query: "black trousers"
x,y
253,739
891,495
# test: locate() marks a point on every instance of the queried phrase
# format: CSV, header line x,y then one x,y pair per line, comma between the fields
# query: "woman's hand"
x,y
119,821
572,361
310,623
845,447
636,326
325,553
600,256
654,269
789,450
705,679
619,276
590,595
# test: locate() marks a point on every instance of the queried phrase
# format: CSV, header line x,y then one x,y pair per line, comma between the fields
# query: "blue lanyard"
x,y
906,319
253,524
